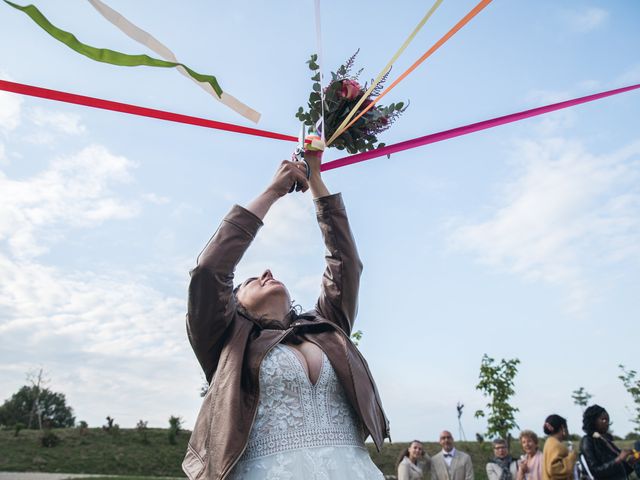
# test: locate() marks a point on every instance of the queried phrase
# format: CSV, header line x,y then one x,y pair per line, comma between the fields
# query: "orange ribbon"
x,y
466,19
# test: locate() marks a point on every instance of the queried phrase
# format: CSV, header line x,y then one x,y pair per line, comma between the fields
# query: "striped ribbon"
x,y
105,55
341,162
466,19
383,72
145,38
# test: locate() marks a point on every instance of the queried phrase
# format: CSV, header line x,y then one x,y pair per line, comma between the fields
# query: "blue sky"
x,y
521,241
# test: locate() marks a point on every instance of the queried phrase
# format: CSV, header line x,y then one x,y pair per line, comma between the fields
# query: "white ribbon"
x,y
136,33
320,123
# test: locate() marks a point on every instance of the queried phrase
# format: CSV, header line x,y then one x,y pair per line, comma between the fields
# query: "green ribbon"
x,y
105,55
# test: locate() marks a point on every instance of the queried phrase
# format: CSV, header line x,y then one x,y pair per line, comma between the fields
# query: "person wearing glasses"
x,y
502,466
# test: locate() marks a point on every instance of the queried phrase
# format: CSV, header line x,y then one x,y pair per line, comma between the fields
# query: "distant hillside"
x,y
124,453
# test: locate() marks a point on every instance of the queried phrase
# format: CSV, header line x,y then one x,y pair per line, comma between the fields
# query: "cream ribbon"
x,y
386,69
136,33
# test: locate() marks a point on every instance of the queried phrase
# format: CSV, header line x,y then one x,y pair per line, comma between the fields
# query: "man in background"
x,y
450,464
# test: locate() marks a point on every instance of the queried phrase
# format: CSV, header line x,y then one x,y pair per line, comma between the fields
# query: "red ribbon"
x,y
136,110
341,162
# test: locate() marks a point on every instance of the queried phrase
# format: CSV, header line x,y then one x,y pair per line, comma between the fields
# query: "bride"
x,y
290,396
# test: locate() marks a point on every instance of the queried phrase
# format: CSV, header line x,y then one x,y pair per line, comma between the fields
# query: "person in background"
x,y
557,460
603,458
502,466
450,464
530,467
412,462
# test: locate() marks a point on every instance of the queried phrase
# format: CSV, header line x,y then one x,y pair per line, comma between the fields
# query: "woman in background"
x,y
530,467
603,458
502,466
413,462
557,460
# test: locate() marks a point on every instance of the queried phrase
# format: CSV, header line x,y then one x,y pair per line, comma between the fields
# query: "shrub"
x,y
83,427
143,431
17,427
175,425
111,427
49,439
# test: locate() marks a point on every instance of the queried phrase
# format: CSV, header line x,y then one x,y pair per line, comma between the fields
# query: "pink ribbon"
x,y
467,129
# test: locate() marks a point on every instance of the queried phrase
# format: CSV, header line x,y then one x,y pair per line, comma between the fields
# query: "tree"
x,y
581,397
175,425
631,383
496,382
37,382
50,407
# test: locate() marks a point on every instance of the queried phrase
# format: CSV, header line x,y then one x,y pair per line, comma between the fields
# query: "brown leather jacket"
x,y
230,345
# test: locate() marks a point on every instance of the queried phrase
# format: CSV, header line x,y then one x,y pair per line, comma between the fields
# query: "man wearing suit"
x,y
450,464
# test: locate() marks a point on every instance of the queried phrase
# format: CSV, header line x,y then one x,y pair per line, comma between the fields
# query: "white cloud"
x,y
156,199
290,223
10,109
68,123
632,75
555,121
73,191
108,340
566,214
587,19
3,155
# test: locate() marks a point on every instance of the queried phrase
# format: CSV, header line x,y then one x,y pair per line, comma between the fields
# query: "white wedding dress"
x,y
303,431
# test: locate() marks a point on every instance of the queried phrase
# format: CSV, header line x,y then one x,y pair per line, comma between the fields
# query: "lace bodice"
x,y
293,413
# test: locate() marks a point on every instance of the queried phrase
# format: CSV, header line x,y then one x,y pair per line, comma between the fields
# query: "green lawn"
x,y
97,452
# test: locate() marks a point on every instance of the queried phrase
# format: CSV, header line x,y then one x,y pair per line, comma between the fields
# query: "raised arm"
x,y
338,301
211,305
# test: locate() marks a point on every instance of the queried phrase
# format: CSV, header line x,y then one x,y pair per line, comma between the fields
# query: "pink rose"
x,y
349,89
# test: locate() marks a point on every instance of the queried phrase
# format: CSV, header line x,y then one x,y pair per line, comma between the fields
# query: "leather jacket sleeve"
x,y
600,466
338,300
211,305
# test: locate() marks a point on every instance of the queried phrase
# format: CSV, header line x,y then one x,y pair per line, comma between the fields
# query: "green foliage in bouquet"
x,y
340,96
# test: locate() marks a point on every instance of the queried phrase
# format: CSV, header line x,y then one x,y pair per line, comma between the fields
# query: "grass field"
x,y
94,452
98,452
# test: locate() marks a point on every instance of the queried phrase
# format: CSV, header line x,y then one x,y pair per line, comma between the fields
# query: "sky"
x,y
521,241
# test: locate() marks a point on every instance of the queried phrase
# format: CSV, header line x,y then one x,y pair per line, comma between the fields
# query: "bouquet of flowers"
x,y
340,96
